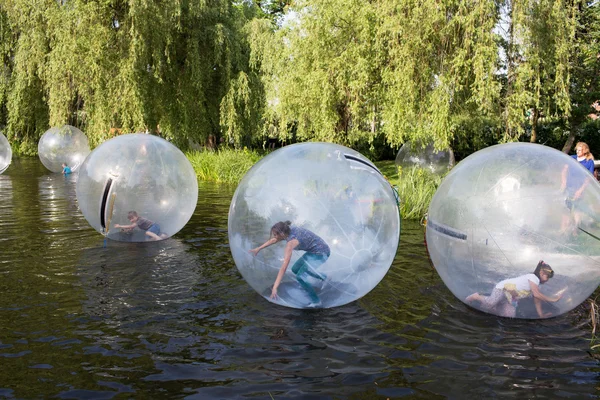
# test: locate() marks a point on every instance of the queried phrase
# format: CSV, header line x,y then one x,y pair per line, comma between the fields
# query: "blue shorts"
x,y
569,203
580,206
155,228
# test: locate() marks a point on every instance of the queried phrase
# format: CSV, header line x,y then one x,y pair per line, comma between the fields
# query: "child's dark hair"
x,y
542,266
131,214
281,228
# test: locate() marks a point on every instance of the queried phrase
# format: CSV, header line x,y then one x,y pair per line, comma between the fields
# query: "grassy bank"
x,y
223,166
416,188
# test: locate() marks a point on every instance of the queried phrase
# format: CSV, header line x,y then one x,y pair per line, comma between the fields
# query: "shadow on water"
x,y
174,319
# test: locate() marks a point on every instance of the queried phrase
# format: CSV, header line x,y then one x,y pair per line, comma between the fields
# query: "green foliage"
x,y
165,67
442,57
474,133
321,72
369,75
539,61
240,110
416,187
389,170
589,132
347,71
225,166
375,148
585,77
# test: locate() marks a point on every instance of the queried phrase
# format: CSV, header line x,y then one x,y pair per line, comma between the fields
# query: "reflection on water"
x,y
83,319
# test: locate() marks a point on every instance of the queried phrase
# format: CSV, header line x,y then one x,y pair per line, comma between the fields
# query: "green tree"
x,y
440,69
347,71
538,47
372,73
161,66
585,72
22,88
321,69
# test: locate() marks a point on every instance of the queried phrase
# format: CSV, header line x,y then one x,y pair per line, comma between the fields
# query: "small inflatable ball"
x,y
325,208
137,187
5,153
513,230
437,162
63,145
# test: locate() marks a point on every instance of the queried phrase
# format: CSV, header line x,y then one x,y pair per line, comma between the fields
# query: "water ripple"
x,y
85,318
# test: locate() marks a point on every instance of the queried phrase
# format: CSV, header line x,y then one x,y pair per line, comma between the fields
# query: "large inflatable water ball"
x,y
334,206
5,153
137,187
63,145
514,230
437,162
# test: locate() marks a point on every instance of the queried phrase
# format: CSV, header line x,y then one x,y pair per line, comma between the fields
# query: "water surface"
x,y
81,318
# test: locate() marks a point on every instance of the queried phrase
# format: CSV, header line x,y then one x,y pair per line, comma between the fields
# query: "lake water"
x,y
81,318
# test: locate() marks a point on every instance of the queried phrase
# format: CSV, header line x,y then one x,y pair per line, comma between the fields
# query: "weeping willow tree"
x,y
539,45
348,70
344,71
168,67
585,73
351,70
321,69
23,104
441,70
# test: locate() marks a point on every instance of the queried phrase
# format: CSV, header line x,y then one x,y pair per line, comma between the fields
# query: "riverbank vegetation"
x,y
368,75
226,76
415,186
225,166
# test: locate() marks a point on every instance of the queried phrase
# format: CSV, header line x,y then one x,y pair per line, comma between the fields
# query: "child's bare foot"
x,y
472,297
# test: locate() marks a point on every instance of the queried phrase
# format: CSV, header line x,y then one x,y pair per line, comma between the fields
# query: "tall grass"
x,y
416,187
223,166
594,321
